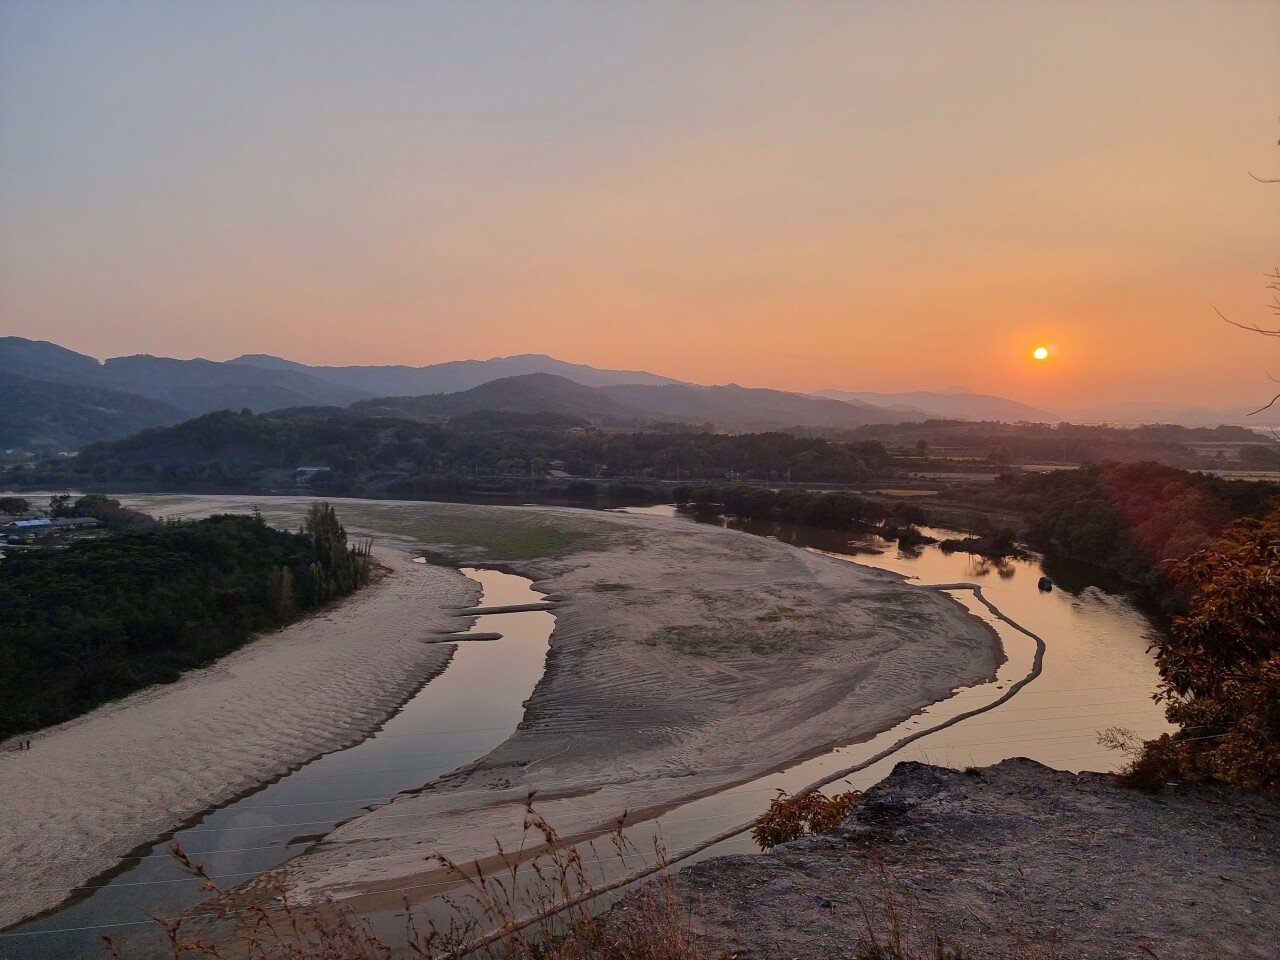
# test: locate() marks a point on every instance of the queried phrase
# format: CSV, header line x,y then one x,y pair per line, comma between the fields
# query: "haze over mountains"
x,y
728,407
451,376
53,398
954,403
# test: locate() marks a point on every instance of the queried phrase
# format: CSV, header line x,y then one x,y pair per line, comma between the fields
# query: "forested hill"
x,y
728,407
104,617
240,450
52,417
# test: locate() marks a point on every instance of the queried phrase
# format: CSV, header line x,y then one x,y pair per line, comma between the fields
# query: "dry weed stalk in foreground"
x,y
893,930
541,905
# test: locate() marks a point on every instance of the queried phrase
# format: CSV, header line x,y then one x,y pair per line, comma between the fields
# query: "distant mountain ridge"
x,y
454,375
954,403
728,407
528,393
745,408
523,384
144,390
192,386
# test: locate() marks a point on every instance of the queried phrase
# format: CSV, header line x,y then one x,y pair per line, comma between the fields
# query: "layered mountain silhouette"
x,y
728,407
955,403
53,398
190,386
452,376
525,384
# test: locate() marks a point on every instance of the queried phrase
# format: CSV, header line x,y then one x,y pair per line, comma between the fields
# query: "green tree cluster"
x,y
1130,517
107,616
229,450
837,510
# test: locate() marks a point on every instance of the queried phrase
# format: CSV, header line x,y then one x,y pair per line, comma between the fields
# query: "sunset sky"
x,y
859,195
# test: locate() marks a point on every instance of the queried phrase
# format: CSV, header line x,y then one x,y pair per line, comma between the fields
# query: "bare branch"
x,y
1268,406
1245,326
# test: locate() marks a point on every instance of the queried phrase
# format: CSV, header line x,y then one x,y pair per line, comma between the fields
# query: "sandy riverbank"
x,y
93,789
688,658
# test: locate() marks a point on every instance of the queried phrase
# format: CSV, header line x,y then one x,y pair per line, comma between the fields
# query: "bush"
x,y
1220,666
791,817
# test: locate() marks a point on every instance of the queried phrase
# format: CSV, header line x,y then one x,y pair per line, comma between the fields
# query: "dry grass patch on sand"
x,y
700,640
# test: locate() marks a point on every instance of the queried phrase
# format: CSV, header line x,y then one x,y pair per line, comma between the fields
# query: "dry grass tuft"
x,y
541,904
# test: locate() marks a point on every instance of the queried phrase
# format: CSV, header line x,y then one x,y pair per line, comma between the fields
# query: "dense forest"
x,y
1128,518
229,450
836,510
1125,518
487,451
107,616
1220,666
1201,448
50,417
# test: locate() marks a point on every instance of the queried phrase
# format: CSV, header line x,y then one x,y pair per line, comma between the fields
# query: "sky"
x,y
854,195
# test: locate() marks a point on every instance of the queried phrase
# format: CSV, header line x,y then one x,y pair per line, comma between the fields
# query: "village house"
x,y
19,531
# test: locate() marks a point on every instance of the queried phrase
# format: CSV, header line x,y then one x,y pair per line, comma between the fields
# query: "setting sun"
x,y
1040,353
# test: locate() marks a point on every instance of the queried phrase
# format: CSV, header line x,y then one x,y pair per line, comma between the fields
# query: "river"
x,y
1093,673
1096,674
1089,670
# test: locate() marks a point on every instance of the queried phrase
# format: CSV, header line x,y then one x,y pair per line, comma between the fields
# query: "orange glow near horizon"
x,y
858,197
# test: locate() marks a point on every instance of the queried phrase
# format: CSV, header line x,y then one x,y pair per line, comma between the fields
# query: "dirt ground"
x,y
1010,861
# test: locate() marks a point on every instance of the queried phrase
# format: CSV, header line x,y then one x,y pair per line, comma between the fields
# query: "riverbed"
x,y
1094,673
1076,665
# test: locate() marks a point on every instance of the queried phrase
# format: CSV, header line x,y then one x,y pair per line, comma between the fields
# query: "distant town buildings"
x,y
21,531
17,458
304,475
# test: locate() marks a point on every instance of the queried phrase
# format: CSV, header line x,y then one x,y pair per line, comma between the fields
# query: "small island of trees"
x,y
108,616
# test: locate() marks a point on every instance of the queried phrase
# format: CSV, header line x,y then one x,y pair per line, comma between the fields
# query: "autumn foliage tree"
x,y
792,816
1220,666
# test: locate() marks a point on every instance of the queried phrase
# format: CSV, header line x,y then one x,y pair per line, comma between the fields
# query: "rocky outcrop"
x,y
1011,861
